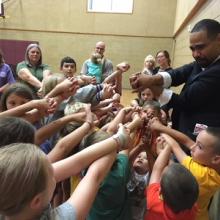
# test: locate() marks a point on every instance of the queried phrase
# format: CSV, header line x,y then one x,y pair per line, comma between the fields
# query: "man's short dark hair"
x,y
212,27
179,188
67,60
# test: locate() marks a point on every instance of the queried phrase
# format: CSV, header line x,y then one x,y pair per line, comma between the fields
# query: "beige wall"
x,y
182,53
66,28
182,10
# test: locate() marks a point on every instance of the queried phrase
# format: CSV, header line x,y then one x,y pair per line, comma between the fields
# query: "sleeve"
x,y
167,80
165,96
46,67
20,66
89,94
84,70
152,194
201,173
10,77
199,92
181,74
65,211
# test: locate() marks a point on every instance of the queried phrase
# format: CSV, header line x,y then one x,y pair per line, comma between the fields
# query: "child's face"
x,y
149,113
202,151
68,69
149,64
147,95
140,164
14,100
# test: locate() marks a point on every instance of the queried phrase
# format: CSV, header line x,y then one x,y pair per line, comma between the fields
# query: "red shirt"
x,y
158,210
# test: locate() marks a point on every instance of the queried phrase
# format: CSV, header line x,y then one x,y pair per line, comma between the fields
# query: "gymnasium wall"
x,y
66,28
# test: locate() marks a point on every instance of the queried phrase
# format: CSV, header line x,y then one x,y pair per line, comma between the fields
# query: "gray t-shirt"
x,y
64,212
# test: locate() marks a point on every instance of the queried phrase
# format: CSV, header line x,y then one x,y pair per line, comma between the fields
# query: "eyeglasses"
x,y
161,56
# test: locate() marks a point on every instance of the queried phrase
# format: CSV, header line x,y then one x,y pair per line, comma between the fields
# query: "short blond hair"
x,y
150,58
23,174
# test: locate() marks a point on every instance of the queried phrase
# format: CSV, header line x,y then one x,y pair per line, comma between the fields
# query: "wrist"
x,y
89,124
120,139
116,139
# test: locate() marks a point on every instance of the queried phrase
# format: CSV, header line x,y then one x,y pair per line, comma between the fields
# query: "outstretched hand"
x,y
140,81
123,67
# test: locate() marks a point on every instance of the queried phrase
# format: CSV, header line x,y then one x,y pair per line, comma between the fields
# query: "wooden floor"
x,y
127,96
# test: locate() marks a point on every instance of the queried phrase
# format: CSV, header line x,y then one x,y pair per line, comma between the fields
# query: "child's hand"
x,y
46,106
123,67
89,79
160,144
154,124
127,109
116,97
68,87
108,91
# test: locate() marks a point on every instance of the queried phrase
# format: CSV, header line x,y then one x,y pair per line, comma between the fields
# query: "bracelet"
x,y
117,142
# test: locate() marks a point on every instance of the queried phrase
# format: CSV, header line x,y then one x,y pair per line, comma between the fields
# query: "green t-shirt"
x,y
112,199
35,71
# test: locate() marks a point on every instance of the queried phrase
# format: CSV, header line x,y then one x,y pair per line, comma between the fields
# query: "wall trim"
x,y
191,14
81,33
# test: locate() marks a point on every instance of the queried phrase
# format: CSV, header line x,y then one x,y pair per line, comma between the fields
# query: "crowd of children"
x,y
70,150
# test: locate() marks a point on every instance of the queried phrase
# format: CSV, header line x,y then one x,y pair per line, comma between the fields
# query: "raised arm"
x,y
177,150
159,165
48,130
155,124
74,164
120,68
65,89
85,193
67,143
26,76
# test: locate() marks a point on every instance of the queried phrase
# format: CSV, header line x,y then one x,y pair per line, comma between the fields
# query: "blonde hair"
x,y
51,81
23,174
150,58
96,58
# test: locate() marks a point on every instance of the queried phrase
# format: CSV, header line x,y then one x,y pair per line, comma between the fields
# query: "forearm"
x,y
56,91
178,136
134,124
134,152
48,130
118,84
26,76
86,191
112,76
68,143
159,165
74,164
113,125
19,110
